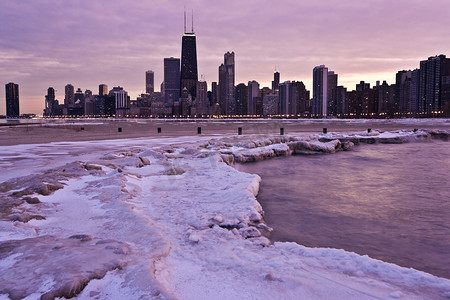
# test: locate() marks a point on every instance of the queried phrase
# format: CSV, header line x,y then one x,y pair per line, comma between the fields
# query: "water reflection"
x,y
391,202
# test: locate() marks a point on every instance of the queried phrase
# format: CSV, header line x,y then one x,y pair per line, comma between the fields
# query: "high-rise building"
x,y
226,85
241,95
271,103
222,89
406,88
253,93
332,82
102,90
386,99
293,98
121,101
171,81
303,103
276,81
89,103
285,97
339,101
188,76
320,90
49,102
364,101
430,96
69,98
201,101
12,100
214,92
230,108
79,97
149,82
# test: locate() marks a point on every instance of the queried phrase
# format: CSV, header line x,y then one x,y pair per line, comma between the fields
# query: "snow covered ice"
x,y
169,218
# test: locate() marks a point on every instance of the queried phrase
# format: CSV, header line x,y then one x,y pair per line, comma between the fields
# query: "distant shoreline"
x,y
63,130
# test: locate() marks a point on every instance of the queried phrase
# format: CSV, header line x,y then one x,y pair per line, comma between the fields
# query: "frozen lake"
x,y
391,202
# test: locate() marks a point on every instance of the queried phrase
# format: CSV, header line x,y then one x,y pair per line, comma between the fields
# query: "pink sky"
x,y
52,42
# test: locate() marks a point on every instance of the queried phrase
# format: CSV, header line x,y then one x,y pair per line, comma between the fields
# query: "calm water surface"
x,y
391,202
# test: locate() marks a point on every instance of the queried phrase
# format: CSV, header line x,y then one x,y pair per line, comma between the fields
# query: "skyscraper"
x,y
241,95
188,76
201,102
102,90
171,80
253,93
214,91
285,97
230,102
340,101
69,98
276,81
430,82
320,90
149,82
222,89
226,85
49,101
12,100
332,82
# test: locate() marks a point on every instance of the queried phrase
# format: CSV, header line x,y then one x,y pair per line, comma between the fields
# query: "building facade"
x,y
149,82
332,82
276,81
171,81
320,91
12,100
241,95
189,75
50,103
102,90
431,96
69,98
253,93
201,101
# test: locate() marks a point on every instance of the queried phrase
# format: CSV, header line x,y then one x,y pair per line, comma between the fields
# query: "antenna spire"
x,y
185,19
192,21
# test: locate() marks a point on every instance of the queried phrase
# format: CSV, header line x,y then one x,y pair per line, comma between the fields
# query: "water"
x,y
391,202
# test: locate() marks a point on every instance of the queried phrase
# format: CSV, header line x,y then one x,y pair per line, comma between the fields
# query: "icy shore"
x,y
170,219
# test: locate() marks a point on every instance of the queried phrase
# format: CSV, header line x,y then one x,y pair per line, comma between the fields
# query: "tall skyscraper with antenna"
x,y
189,75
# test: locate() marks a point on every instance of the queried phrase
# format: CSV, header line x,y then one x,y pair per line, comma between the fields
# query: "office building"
x,y
253,93
50,102
270,103
12,100
226,85
431,97
222,89
149,82
230,108
188,75
69,93
340,101
276,81
332,82
102,90
201,101
285,97
320,91
302,99
171,81
214,93
241,95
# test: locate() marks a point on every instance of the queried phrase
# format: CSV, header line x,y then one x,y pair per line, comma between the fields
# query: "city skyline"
x,y
86,44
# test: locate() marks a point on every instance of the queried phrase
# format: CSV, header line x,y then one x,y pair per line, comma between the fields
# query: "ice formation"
x,y
169,218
